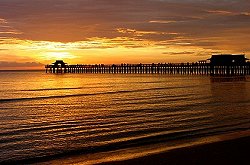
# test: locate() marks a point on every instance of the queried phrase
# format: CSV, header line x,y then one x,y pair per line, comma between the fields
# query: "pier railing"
x,y
160,68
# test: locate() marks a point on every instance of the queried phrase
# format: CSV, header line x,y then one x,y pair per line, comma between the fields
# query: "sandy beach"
x,y
230,151
232,148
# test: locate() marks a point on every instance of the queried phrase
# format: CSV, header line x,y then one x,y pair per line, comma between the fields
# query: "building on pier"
x,y
60,63
228,60
57,67
228,65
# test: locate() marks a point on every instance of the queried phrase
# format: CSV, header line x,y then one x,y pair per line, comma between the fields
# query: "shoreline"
x,y
230,152
230,148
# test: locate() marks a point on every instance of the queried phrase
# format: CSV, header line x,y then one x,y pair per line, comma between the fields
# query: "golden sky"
x,y
37,32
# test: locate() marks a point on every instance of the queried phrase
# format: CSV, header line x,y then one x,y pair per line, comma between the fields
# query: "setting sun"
x,y
58,55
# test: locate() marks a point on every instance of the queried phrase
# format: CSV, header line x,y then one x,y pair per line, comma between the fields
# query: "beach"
x,y
231,151
230,148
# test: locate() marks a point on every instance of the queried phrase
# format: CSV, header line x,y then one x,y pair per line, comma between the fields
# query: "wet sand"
x,y
233,151
231,148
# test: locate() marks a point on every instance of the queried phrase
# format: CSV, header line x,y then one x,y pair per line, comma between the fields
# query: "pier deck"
x,y
221,65
170,68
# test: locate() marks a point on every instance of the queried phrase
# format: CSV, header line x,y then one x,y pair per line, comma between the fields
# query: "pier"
x,y
221,65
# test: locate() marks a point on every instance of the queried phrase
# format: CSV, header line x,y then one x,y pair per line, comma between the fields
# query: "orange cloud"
x,y
141,33
162,21
3,21
220,12
6,29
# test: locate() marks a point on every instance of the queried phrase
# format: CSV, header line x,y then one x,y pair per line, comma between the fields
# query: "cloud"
x,y
6,30
142,33
3,49
220,12
3,21
162,21
6,64
70,21
91,25
10,32
178,53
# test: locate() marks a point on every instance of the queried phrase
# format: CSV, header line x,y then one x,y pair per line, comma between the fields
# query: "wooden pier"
x,y
199,68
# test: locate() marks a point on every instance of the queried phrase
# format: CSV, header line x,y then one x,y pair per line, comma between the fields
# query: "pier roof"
x,y
59,63
228,59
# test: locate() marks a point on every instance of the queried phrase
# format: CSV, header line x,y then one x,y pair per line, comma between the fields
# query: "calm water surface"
x,y
43,115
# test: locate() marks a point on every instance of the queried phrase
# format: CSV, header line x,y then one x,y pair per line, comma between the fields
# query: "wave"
x,y
90,94
57,89
123,143
96,126
86,87
49,89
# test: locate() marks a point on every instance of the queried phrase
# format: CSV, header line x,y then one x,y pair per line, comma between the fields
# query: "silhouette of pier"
x,y
221,65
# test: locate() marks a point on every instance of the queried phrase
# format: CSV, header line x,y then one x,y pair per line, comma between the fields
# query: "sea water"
x,y
46,115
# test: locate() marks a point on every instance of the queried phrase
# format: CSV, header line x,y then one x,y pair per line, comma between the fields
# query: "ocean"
x,y
43,116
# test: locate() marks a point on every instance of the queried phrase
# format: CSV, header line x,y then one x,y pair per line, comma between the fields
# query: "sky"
x,y
38,32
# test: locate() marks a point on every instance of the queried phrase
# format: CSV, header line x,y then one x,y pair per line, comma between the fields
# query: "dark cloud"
x,y
203,23
6,64
178,53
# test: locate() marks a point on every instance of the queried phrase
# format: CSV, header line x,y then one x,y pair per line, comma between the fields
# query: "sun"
x,y
58,55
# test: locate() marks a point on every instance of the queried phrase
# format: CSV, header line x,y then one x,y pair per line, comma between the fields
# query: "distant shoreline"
x,y
37,70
